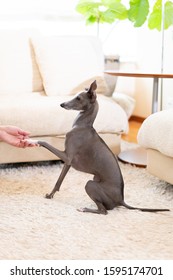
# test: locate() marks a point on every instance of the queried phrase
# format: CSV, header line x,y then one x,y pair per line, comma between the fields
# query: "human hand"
x,y
15,136
15,131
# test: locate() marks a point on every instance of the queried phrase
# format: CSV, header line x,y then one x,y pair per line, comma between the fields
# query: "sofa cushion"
x,y
125,101
18,69
156,132
42,115
67,61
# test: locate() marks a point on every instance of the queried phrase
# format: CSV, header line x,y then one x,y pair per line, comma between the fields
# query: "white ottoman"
x,y
156,135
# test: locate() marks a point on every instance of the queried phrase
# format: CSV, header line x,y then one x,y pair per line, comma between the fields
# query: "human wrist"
x,y
2,127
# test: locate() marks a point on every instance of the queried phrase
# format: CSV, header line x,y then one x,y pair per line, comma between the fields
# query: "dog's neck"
x,y
87,118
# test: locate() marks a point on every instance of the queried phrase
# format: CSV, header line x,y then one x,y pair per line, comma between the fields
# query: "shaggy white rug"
x,y
32,227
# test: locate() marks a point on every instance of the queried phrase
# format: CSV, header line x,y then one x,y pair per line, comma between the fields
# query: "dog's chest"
x,y
79,146
79,138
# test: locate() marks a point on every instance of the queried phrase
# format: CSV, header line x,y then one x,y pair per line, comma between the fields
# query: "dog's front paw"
x,y
30,143
95,211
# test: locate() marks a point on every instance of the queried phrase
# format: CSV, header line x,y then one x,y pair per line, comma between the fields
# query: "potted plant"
x,y
157,15
138,12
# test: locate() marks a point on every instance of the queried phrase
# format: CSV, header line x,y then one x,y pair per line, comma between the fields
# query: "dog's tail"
x,y
143,209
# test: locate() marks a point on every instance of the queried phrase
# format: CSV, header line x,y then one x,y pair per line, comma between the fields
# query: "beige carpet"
x,y
32,227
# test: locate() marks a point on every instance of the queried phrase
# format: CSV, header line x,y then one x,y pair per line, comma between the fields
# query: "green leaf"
x,y
155,17
86,6
107,16
91,20
119,10
110,2
90,10
138,12
168,15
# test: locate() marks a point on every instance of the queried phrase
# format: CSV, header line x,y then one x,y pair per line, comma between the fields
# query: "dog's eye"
x,y
78,98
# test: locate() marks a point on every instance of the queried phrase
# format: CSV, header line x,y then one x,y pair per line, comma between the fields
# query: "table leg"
x,y
155,98
138,156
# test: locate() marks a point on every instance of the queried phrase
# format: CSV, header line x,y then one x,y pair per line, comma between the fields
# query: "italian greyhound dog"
x,y
87,152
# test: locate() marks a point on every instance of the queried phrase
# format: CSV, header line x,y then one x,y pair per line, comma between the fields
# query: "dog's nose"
x,y
62,105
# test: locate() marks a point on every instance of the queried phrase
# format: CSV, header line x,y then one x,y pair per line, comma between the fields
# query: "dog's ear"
x,y
91,91
93,86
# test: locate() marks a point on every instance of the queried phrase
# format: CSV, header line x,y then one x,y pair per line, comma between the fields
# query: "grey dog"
x,y
87,152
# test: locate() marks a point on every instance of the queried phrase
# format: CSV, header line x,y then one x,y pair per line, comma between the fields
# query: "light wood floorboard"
x,y
133,131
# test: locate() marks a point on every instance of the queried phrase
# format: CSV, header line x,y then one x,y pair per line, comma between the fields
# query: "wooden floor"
x,y
133,131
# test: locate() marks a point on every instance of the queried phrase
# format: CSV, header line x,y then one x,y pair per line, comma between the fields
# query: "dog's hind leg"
x,y
59,182
96,191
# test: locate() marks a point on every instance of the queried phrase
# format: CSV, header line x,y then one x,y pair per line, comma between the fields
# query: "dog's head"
x,y
83,100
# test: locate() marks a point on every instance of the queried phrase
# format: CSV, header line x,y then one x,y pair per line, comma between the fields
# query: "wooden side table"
x,y
138,156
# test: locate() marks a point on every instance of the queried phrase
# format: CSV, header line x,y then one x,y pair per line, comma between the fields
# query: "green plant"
x,y
138,12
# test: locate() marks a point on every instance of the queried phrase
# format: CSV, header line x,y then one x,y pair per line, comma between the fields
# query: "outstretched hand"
x,y
15,136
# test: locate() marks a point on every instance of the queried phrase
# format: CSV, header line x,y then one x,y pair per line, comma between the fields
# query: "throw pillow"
x,y
67,61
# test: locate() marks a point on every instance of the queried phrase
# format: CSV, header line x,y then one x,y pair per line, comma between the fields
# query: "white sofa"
x,y
156,134
37,74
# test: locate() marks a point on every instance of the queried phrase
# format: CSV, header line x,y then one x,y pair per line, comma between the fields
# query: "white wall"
x,y
139,48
